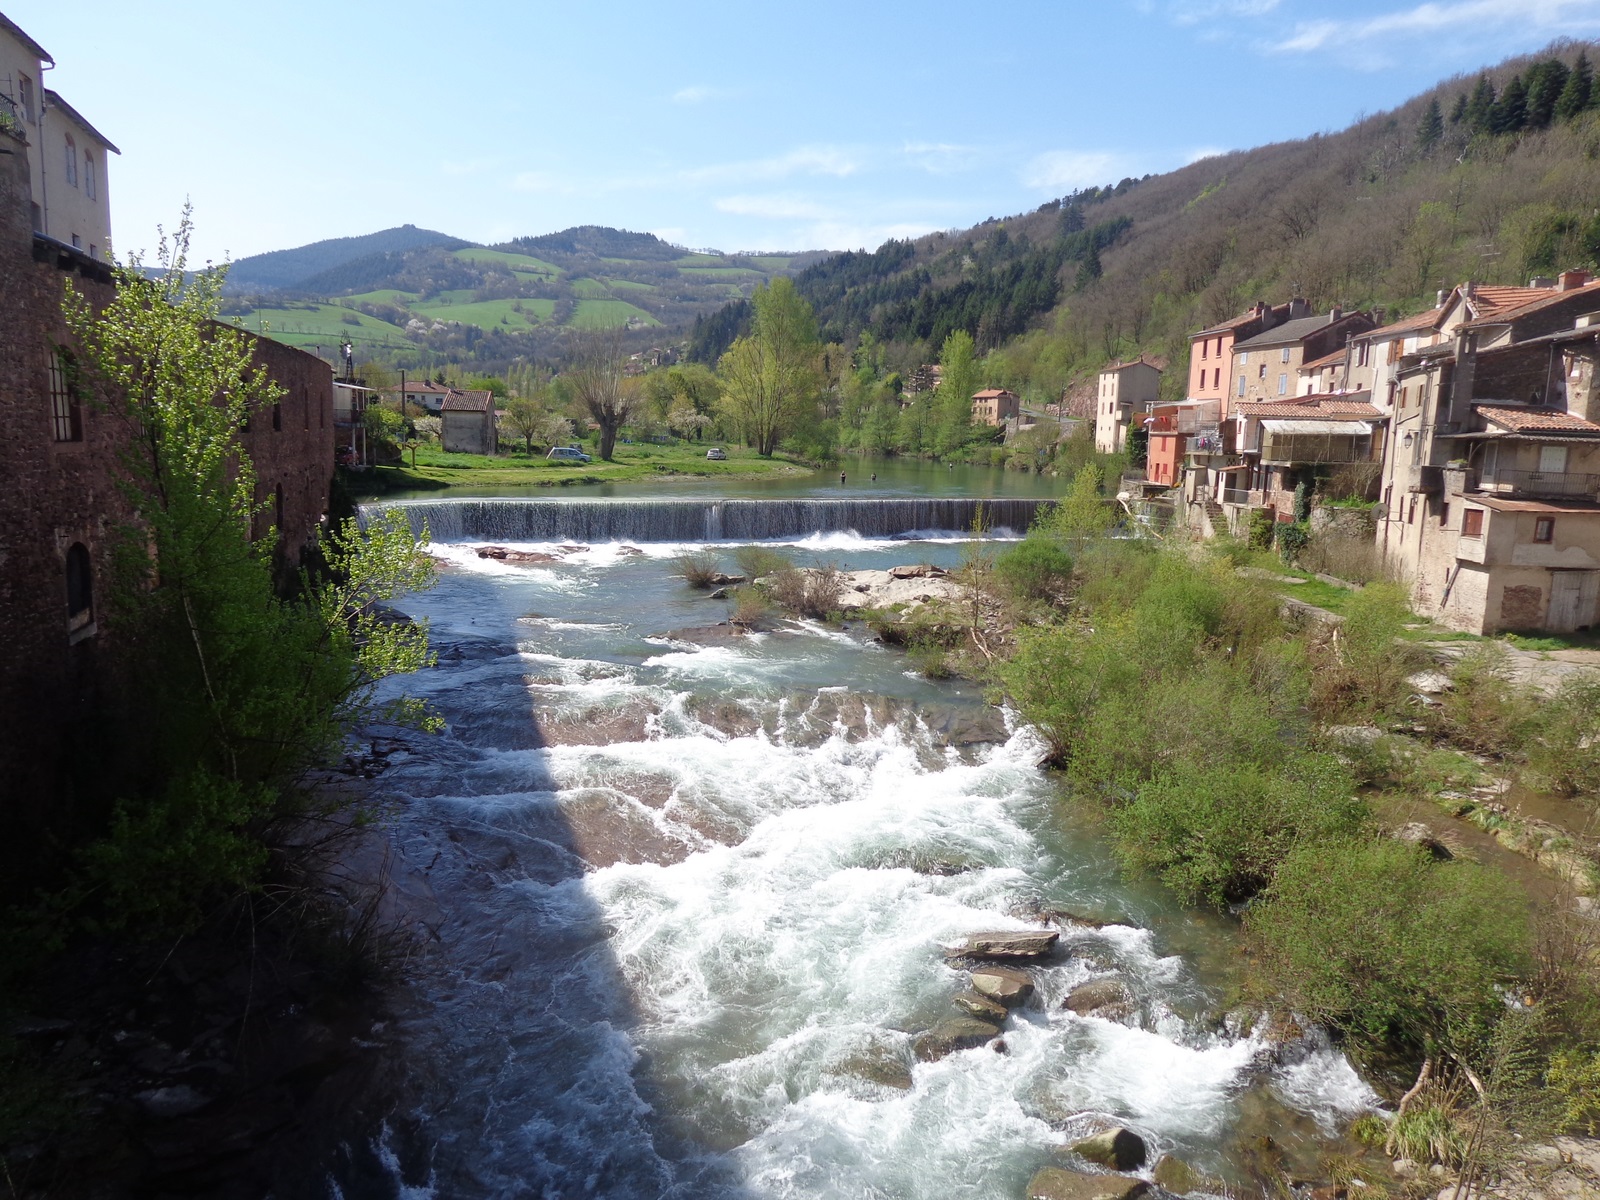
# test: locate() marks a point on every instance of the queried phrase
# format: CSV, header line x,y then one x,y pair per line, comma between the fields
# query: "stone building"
x,y
995,406
1125,395
1491,477
467,425
68,193
61,466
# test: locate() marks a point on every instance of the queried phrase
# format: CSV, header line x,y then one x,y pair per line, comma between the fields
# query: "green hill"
x,y
1495,181
486,305
288,268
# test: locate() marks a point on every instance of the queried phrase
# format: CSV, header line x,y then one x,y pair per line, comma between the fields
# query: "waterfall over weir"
x,y
696,520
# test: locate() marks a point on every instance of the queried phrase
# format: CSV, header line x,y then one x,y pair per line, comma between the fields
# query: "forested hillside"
x,y
1494,178
291,268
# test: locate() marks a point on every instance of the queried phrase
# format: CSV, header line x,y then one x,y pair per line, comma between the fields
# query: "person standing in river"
x,y
841,476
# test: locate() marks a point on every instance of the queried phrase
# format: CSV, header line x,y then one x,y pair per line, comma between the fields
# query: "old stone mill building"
x,y
59,456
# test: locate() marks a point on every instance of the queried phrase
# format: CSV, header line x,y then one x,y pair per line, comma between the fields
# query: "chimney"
x,y
1335,313
1542,281
1571,281
1377,316
1438,300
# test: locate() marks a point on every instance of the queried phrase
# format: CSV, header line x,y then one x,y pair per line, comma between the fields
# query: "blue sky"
x,y
742,126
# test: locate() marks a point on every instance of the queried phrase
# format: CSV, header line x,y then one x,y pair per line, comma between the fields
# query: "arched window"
x,y
88,174
80,590
71,150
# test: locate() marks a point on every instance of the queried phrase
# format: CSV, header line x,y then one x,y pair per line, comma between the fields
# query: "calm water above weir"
x,y
690,893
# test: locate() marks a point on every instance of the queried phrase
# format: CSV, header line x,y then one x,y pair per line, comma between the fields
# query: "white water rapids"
x,y
686,898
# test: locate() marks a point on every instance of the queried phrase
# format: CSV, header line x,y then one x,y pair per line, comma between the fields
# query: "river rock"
x,y
919,571
1008,943
1120,1149
501,554
978,1005
952,1034
1108,999
724,580
720,594
881,1066
1178,1177
1009,987
1054,1183
1419,835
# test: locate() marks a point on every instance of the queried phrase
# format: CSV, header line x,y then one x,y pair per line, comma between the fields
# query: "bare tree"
x,y
600,386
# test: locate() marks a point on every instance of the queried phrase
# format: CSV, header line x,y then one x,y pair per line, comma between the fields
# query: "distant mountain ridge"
x,y
291,269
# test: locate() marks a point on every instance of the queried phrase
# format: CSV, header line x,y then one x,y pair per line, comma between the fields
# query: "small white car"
x,y
717,454
567,454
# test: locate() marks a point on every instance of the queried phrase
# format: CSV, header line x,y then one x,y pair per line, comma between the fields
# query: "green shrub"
x,y
1262,521
697,567
756,561
1036,568
1380,940
1484,710
1362,670
1574,1077
1291,538
1563,752
1429,1133
1216,831
1060,674
1113,573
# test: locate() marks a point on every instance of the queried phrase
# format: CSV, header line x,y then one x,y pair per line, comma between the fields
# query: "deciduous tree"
x,y
772,377
600,386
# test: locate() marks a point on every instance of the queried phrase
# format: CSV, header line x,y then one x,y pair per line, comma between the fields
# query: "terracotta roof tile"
x,y
1494,296
1533,420
1542,299
1423,320
991,394
1331,408
468,402
1327,360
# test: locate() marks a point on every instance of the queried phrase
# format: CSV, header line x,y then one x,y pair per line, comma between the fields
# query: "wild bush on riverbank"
x,y
698,567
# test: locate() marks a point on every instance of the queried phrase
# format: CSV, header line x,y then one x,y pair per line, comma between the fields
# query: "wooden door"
x,y
1572,599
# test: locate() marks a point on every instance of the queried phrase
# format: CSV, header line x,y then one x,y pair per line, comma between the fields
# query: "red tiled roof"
x,y
1423,320
468,402
1543,298
1331,408
1496,297
991,394
1533,420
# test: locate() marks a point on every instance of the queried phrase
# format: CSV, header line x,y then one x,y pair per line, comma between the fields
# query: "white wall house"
x,y
66,155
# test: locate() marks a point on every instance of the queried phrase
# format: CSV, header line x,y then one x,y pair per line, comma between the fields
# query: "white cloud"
x,y
1468,18
940,158
695,95
777,208
845,235
1068,170
1192,12
835,161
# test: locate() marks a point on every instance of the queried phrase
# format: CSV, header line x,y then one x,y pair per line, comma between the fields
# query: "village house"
x,y
1125,394
1303,440
467,424
425,395
68,200
1491,479
61,464
1265,366
995,406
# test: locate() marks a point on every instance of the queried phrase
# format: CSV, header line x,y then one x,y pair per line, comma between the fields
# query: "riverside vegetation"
x,y
1245,759
201,840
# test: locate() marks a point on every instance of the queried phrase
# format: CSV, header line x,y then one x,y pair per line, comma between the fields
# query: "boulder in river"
x,y
1120,1149
1054,1183
721,579
1108,999
501,554
1178,1177
978,1005
1008,986
1008,943
952,1034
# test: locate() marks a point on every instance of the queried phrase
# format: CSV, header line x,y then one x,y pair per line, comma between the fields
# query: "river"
x,y
686,894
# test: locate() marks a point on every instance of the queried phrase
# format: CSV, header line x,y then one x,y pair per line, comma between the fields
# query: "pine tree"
x,y
1089,269
1431,128
1480,107
1545,83
1579,89
1511,110
1458,111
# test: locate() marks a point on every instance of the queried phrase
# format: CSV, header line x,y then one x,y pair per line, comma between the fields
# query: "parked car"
x,y
717,454
568,454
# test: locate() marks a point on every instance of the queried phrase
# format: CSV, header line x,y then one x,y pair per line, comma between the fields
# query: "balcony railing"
x,y
1315,448
1236,496
1539,483
9,117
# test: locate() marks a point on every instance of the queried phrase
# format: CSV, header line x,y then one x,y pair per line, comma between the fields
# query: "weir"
x,y
696,520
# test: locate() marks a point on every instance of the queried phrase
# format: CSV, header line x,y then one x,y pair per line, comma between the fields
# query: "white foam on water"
x,y
1315,1078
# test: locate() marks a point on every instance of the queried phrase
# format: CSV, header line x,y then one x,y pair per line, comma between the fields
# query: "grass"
x,y
590,289
381,296
1554,641
722,273
524,264
488,313
606,314
438,471
628,285
319,325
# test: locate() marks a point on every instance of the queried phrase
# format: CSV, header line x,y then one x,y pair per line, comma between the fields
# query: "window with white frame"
x,y
1285,357
25,98
88,174
1283,384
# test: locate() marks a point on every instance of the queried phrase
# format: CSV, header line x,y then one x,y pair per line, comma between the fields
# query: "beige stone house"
x,y
995,406
1126,393
466,423
1491,479
66,155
